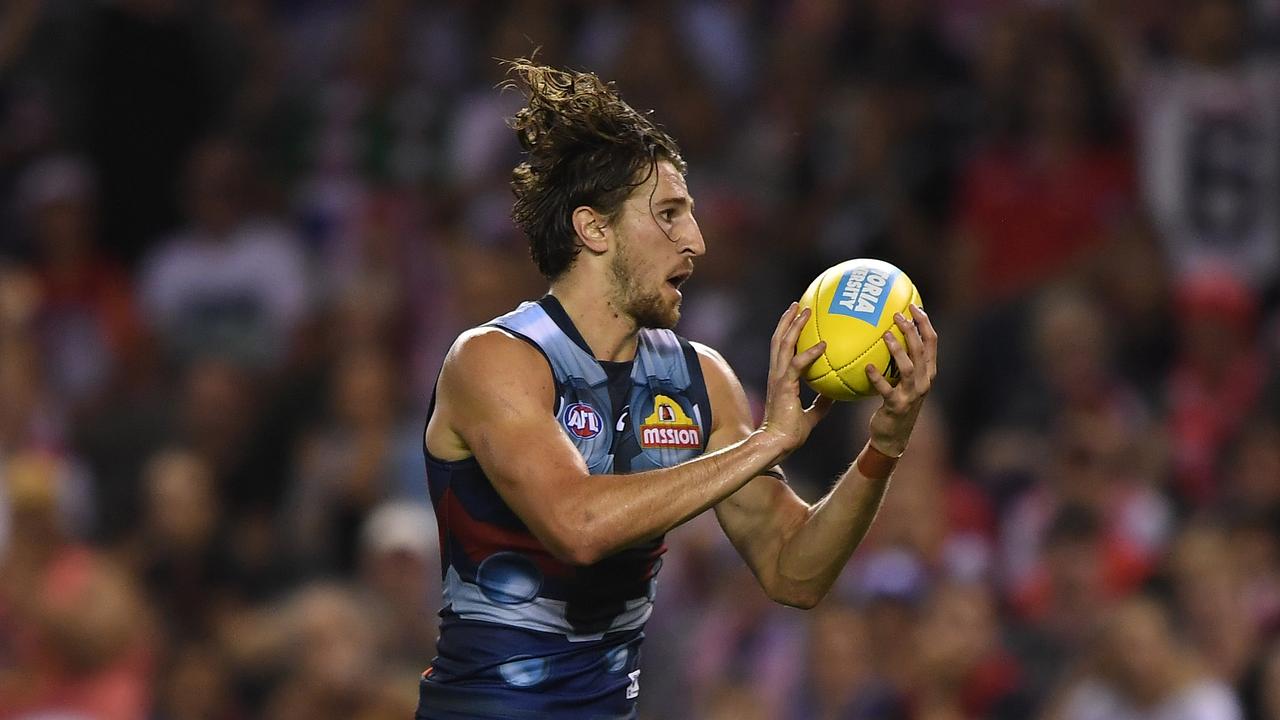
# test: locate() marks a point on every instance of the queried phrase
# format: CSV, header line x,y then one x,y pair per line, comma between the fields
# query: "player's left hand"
x,y
917,363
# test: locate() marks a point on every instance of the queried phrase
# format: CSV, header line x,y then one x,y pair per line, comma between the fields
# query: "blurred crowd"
x,y
237,237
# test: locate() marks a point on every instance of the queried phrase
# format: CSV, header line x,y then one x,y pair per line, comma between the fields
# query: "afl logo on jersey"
x,y
582,421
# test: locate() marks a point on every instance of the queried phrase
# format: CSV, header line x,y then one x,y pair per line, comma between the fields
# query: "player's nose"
x,y
691,242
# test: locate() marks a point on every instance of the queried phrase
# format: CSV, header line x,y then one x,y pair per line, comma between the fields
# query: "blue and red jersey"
x,y
523,634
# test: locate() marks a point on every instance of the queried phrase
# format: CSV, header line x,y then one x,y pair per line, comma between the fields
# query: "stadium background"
x,y
237,237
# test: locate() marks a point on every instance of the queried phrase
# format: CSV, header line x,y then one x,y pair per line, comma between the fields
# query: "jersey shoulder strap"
x,y
531,323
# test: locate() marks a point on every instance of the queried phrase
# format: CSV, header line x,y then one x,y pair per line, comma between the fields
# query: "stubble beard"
x,y
649,309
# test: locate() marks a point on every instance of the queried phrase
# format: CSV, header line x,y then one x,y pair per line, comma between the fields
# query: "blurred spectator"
x,y
1134,289
1209,121
177,549
508,279
223,420
1066,385
76,637
32,428
370,100
196,684
1073,375
1210,598
962,668
247,60
841,680
1251,466
384,270
229,283
1254,538
1267,698
20,21
35,89
692,570
888,146
768,159
365,451
892,586
735,701
1141,672
87,321
37,416
319,647
1080,581
719,36
744,640
31,416
480,150
399,566
1038,202
216,413
1095,468
1216,380
656,67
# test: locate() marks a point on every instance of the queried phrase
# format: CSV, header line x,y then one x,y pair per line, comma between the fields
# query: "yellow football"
x,y
852,307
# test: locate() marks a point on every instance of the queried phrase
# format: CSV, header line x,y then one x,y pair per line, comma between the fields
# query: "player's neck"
x,y
609,332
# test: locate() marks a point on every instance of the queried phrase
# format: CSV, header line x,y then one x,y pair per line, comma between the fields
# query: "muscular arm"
x,y
494,402
797,550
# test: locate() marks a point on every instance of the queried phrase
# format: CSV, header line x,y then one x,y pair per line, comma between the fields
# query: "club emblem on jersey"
x,y
669,427
582,421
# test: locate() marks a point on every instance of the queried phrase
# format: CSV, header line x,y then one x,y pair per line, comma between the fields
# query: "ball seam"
x,y
817,329
864,354
846,385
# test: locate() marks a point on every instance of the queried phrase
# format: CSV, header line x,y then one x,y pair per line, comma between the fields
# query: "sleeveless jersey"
x,y
523,634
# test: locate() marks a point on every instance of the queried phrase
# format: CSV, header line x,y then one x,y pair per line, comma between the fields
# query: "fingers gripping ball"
x,y
852,307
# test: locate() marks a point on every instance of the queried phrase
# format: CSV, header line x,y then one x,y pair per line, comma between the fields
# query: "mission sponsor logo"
x,y
582,421
861,294
669,427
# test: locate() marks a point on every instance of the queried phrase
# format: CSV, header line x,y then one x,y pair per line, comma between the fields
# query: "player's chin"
x,y
660,316
671,315
666,321
673,318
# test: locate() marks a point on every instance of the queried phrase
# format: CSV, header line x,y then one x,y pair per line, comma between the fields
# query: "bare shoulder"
x,y
713,363
728,399
488,355
488,375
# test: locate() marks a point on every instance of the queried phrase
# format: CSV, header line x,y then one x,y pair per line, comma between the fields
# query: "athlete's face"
x,y
657,241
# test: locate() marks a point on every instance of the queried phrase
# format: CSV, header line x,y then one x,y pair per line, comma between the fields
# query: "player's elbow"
x,y
802,601
803,597
574,546
585,556
578,554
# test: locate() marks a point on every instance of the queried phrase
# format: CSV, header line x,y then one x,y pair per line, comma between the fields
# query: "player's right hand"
x,y
785,416
917,364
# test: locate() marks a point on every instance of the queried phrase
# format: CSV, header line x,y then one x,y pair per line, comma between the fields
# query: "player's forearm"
x,y
813,556
613,512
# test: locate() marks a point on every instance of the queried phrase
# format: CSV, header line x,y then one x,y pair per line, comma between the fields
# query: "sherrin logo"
x,y
862,293
582,421
668,427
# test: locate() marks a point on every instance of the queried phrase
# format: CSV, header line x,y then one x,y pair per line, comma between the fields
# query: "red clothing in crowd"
x,y
1030,223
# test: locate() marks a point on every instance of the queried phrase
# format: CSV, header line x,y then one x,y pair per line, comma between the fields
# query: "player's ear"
x,y
592,228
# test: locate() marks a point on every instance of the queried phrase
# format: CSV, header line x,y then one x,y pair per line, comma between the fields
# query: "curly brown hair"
x,y
583,146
